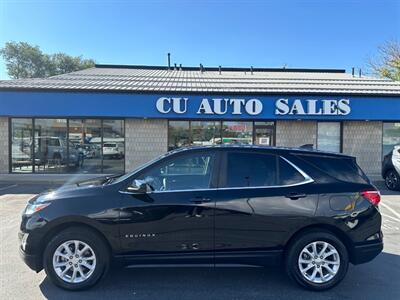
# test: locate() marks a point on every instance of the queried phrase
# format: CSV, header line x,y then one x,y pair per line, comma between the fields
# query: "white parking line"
x,y
390,217
8,187
390,209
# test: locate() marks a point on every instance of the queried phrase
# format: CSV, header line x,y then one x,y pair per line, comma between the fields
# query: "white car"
x,y
391,169
113,150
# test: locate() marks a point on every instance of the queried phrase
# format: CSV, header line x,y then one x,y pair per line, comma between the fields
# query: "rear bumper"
x,y
367,252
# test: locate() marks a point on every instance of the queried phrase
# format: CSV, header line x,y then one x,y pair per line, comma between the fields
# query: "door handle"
x,y
200,200
295,196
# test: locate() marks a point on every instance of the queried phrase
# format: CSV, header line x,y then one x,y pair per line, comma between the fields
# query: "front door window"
x,y
185,172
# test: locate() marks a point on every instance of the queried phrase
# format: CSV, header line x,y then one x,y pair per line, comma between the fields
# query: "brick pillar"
x,y
296,133
364,141
145,140
4,145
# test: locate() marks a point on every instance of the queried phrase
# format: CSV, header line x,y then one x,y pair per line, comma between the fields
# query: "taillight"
x,y
373,196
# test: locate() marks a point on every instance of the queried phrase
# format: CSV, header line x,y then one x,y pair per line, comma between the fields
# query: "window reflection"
x,y
21,145
178,134
50,145
237,132
328,138
113,146
206,133
203,133
85,144
391,137
67,145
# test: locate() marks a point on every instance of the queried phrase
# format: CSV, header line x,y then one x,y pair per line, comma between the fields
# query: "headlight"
x,y
32,208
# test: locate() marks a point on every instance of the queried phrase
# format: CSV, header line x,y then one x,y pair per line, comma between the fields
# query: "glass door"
x,y
264,133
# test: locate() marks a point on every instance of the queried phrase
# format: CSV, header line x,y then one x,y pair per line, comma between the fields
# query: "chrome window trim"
x,y
307,179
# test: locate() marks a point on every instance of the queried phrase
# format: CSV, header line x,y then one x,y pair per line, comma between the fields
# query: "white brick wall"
x,y
364,141
3,145
296,133
145,140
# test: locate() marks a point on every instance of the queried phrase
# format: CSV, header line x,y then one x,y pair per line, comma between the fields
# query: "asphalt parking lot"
x,y
375,280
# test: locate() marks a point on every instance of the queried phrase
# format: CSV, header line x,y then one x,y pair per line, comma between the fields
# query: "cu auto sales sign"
x,y
255,107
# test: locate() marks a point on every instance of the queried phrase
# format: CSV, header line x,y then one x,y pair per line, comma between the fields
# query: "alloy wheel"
x,y
74,261
319,262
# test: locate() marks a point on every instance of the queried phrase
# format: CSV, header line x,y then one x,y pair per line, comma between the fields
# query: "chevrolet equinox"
x,y
315,212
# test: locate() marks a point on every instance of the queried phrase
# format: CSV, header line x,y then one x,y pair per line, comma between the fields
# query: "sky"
x,y
293,33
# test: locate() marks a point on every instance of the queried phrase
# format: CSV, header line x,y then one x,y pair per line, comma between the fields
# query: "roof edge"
x,y
237,69
202,93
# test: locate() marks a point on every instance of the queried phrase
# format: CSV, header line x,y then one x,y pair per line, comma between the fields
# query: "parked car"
x,y
391,169
89,151
49,147
113,150
313,211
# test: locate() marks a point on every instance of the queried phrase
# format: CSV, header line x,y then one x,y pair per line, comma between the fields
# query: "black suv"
x,y
236,205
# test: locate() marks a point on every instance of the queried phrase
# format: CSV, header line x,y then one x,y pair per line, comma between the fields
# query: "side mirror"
x,y
139,187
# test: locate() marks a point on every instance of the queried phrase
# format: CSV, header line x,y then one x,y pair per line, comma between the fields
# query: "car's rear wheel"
x,y
76,258
392,180
317,260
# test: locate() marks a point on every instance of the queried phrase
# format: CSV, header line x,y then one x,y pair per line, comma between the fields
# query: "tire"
x,y
392,180
59,244
327,280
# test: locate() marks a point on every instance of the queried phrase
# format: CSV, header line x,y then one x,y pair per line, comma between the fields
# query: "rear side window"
x,y
288,174
341,168
258,169
251,169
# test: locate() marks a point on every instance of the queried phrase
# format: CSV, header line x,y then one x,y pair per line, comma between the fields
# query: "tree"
x,y
26,61
65,63
387,65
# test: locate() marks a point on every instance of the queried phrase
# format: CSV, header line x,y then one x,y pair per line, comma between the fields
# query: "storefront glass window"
x,y
206,133
328,137
85,145
113,146
21,145
178,134
237,132
67,145
391,137
50,136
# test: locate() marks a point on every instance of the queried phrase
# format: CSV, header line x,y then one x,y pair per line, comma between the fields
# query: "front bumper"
x,y
30,260
366,252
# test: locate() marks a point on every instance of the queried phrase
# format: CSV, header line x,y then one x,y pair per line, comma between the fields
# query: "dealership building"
x,y
112,118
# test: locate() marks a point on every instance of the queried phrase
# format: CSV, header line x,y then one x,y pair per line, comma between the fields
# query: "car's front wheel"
x,y
76,258
392,180
317,260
